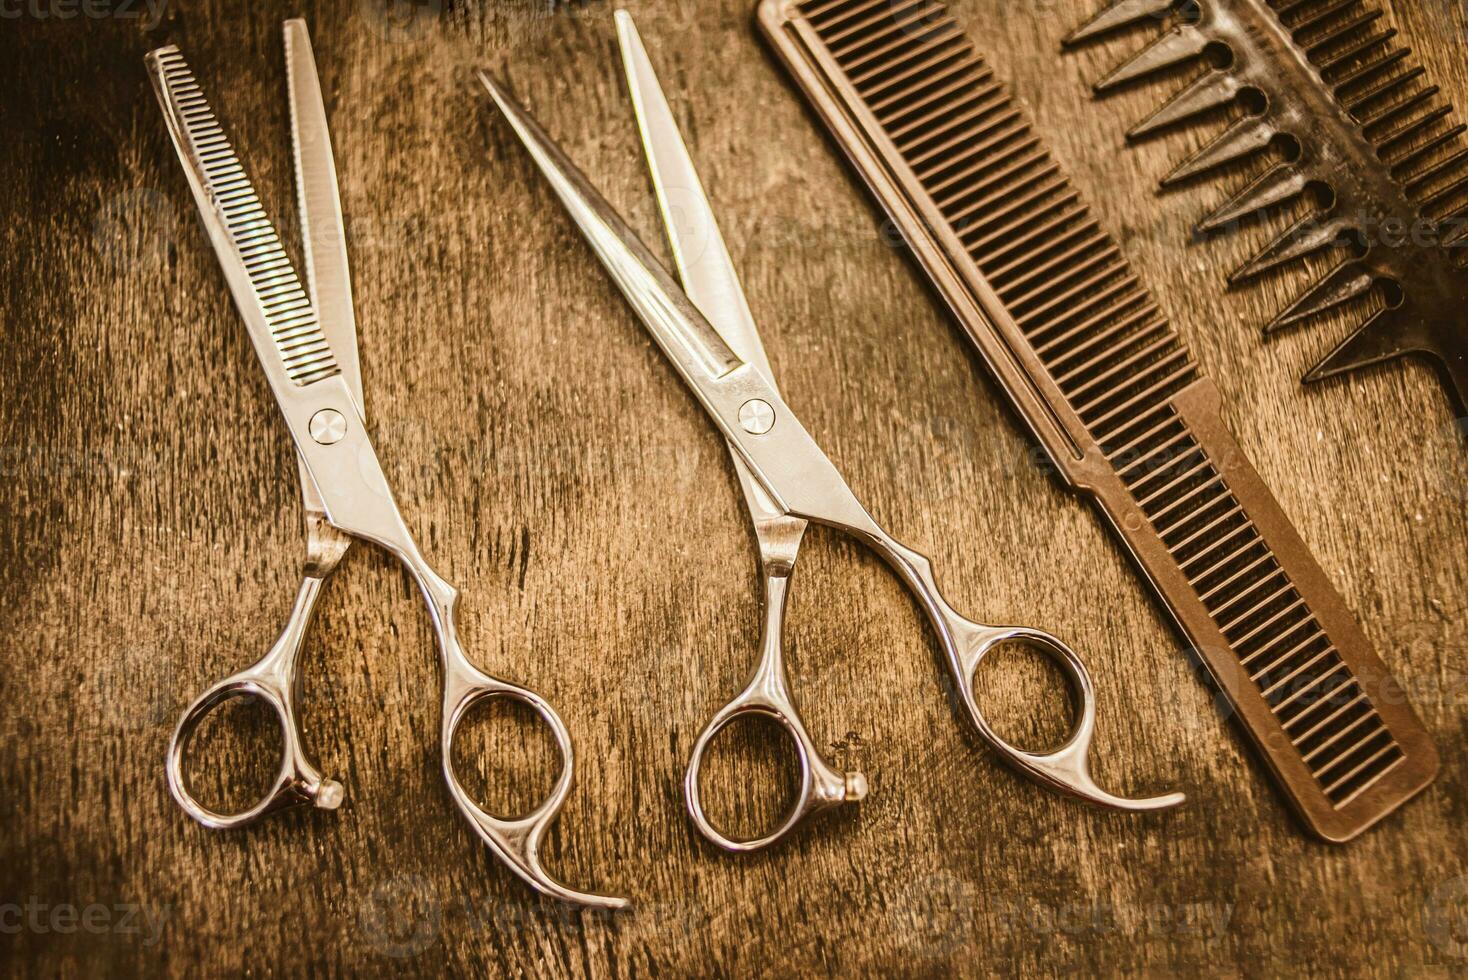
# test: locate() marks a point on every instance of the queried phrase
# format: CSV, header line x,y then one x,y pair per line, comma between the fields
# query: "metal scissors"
x,y
307,345
709,335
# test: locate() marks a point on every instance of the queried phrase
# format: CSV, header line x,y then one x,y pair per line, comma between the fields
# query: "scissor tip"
x,y
487,80
330,795
627,36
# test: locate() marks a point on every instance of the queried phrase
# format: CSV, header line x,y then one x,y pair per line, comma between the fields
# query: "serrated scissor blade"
x,y
327,274
275,307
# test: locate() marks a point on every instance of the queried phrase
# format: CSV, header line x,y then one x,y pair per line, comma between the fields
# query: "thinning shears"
x,y
709,335
307,345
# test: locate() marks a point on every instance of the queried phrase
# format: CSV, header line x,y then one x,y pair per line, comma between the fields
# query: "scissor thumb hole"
x,y
747,776
229,754
505,755
1028,693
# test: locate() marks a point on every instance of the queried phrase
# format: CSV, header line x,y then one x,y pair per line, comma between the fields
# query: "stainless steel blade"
x,y
705,267
739,399
324,240
698,247
266,289
683,332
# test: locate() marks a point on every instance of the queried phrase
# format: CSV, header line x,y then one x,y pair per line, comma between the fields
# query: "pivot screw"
x,y
756,416
328,426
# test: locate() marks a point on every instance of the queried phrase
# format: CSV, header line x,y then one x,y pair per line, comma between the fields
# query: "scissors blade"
x,y
289,343
704,265
698,247
327,274
694,346
788,463
276,309
314,399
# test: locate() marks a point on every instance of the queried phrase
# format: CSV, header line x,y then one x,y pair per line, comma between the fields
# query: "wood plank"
x,y
557,472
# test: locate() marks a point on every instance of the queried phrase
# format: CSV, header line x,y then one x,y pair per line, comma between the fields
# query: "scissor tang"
x,y
317,388
792,468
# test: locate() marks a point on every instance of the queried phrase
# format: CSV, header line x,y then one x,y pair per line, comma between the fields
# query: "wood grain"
x,y
555,470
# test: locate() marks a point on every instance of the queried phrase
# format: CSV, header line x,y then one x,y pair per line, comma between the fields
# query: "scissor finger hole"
x,y
505,756
233,755
1026,697
750,777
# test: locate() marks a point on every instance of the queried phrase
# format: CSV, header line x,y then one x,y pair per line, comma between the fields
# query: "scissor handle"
x,y
517,840
966,643
767,694
1067,768
272,679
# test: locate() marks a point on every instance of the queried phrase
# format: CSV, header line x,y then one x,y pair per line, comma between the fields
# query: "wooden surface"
x,y
556,470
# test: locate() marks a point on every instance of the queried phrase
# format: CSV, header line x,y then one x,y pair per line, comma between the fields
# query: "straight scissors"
x,y
709,335
306,343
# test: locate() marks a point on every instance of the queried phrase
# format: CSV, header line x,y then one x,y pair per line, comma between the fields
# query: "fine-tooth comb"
x,y
1365,129
288,311
1110,391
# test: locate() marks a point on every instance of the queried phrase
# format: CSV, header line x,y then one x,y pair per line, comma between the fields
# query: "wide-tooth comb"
x,y
1370,131
1111,392
222,188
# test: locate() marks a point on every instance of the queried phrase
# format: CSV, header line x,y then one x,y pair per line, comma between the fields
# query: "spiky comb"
x,y
1364,129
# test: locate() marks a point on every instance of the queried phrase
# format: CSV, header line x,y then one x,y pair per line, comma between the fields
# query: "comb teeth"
x,y
1330,47
1320,14
1043,254
1276,186
288,311
1357,49
1307,236
1110,390
1342,284
1119,15
1173,48
1375,341
1244,138
1384,83
1353,85
1207,92
1371,130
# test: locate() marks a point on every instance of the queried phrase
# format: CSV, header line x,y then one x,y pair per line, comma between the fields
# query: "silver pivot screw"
x,y
756,416
328,426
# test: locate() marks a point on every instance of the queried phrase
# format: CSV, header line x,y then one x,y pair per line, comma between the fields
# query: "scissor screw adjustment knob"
x,y
756,416
328,426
